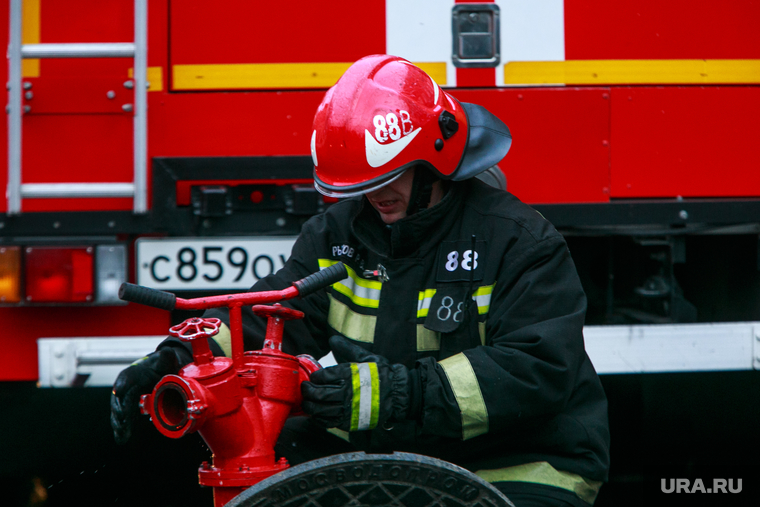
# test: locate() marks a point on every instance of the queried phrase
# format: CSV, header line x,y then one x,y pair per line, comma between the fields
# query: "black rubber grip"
x,y
321,279
147,297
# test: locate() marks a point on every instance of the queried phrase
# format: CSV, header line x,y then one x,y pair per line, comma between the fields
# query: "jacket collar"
x,y
413,235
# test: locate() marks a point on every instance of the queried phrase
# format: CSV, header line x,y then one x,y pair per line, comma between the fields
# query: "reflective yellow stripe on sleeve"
x,y
350,323
361,292
365,405
482,297
427,340
343,435
430,341
467,392
543,473
423,302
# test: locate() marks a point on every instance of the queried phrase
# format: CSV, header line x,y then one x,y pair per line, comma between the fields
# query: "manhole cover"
x,y
358,479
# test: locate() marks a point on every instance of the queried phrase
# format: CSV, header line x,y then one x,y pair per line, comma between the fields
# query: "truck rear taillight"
x,y
59,275
62,274
10,274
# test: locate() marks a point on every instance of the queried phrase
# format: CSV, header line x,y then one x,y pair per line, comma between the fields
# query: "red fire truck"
x,y
166,143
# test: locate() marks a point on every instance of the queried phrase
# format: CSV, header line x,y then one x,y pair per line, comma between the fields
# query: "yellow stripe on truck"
x,y
232,76
154,77
614,72
436,70
30,34
467,392
237,76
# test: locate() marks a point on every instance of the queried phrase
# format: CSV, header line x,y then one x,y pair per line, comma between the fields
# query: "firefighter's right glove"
x,y
362,392
138,379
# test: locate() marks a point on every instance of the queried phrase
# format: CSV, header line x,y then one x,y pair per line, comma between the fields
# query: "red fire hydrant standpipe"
x,y
239,405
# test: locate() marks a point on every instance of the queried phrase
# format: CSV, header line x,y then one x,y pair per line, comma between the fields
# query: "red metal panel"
x,y
158,36
687,141
241,31
28,324
86,148
86,21
471,78
560,151
77,95
653,29
231,124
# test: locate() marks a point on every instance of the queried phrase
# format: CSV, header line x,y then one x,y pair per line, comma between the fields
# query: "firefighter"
x,y
458,333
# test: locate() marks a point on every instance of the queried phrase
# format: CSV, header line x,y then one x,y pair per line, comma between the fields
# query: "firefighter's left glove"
x,y
361,392
136,380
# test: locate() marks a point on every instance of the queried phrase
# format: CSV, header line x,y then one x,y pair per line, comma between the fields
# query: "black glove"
x,y
361,392
133,382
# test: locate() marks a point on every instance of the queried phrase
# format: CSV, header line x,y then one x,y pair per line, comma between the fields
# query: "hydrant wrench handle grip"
x,y
321,279
148,297
166,301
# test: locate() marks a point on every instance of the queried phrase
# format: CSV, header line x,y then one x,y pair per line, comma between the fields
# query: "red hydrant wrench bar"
x,y
238,405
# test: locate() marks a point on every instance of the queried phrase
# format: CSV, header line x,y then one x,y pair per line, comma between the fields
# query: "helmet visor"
x,y
359,189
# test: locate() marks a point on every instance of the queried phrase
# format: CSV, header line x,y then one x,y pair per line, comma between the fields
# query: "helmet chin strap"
x,y
422,189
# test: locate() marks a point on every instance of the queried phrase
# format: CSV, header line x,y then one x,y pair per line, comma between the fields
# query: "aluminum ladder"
x,y
137,50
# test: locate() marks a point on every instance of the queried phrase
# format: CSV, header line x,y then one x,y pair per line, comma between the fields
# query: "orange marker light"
x,y
10,274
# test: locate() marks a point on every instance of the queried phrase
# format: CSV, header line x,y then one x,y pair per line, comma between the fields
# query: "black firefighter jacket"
x,y
483,298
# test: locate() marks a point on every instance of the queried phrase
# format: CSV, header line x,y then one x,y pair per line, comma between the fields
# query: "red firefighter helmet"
x,y
384,115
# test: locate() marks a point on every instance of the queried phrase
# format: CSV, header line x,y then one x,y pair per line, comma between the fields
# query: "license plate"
x,y
208,264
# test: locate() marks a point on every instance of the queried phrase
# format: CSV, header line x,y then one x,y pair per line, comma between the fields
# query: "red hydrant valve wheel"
x,y
194,328
277,310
